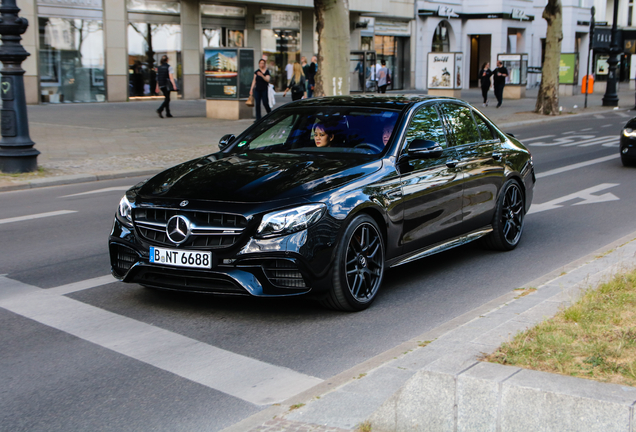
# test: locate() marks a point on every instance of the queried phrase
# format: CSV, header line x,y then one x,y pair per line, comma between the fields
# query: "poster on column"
x,y
445,70
221,73
246,72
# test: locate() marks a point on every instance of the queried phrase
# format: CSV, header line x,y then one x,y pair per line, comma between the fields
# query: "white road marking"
x,y
599,116
567,133
248,379
622,114
110,189
607,125
580,141
36,216
586,129
536,138
82,285
576,166
585,195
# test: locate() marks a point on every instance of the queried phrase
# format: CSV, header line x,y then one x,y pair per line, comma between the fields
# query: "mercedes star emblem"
x,y
184,203
178,229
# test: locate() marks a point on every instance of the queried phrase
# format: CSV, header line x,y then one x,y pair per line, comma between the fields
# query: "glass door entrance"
x,y
362,72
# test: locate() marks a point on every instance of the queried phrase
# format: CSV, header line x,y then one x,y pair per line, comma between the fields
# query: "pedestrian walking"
x,y
484,78
499,79
259,88
383,77
165,83
310,76
289,70
297,84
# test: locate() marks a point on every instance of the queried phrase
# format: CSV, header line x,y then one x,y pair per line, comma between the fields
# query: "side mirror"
x,y
225,141
425,149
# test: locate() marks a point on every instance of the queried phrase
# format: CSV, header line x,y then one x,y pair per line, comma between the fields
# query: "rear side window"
x,y
484,129
460,120
426,124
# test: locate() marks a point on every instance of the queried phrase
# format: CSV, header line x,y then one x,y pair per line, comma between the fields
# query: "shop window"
x,y
441,38
147,43
281,45
71,60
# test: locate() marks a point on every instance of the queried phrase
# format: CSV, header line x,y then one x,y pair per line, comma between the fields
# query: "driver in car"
x,y
322,137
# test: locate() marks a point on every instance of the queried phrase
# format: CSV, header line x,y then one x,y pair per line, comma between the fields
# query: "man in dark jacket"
x,y
310,74
499,78
165,83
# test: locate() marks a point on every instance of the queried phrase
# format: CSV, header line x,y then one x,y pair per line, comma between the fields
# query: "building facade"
x,y
107,50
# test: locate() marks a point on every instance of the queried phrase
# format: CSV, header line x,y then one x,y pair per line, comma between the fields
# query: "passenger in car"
x,y
322,135
386,134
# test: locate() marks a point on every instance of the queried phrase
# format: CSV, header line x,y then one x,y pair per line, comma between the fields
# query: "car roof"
x,y
394,102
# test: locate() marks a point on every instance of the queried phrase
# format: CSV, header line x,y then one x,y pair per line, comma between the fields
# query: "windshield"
x,y
323,129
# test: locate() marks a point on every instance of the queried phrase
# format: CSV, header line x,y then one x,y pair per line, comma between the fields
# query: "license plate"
x,y
181,258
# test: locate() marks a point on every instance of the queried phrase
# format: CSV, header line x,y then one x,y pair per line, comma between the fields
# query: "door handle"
x,y
452,163
496,156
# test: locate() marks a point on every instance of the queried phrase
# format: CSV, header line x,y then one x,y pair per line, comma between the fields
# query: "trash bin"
x,y
584,88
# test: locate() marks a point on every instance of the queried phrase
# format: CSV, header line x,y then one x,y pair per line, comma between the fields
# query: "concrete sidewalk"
x,y
435,382
88,142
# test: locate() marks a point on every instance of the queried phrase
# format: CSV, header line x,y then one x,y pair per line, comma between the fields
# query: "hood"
x,y
257,177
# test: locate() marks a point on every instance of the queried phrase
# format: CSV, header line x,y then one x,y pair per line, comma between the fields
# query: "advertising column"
x,y
445,74
228,78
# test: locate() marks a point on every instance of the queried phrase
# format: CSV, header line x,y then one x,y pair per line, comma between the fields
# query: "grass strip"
x,y
595,338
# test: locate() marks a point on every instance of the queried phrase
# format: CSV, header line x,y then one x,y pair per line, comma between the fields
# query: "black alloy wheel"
x,y
359,266
509,217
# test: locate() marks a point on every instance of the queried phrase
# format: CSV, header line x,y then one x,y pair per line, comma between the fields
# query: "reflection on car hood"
x,y
257,177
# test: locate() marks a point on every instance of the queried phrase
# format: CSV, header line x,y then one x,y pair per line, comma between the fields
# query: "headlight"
x,y
629,132
289,221
124,212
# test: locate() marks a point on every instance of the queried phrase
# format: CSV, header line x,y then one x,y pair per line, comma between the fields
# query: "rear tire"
x,y
509,217
359,266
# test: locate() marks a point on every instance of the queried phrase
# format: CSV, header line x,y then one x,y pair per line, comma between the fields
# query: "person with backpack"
x,y
383,77
165,83
297,84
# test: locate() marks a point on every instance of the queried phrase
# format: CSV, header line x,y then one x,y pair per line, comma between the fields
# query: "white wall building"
x,y
484,29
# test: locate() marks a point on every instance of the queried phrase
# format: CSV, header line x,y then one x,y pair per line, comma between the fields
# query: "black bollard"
x,y
17,154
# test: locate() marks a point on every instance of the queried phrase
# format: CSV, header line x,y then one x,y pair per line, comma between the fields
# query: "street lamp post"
x,y
589,54
611,98
17,154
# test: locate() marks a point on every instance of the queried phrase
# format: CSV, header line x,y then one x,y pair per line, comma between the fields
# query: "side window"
x,y
484,129
426,124
461,122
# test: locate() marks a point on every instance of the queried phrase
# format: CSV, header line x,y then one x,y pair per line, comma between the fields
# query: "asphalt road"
x,y
53,378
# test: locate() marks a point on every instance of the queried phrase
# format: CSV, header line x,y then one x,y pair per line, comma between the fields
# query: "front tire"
x,y
509,218
627,161
359,266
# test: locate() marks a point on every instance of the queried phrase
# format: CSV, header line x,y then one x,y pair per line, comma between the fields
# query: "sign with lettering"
x,y
446,11
519,14
445,70
262,22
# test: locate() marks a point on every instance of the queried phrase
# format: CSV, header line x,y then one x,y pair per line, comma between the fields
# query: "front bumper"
x,y
296,264
628,147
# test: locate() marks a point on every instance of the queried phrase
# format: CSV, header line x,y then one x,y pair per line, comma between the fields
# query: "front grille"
x,y
191,283
122,258
209,230
283,273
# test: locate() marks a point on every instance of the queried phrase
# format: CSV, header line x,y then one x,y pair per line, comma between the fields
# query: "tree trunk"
x,y
548,98
332,24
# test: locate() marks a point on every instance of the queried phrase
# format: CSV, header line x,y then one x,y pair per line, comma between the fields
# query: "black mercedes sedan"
x,y
321,196
628,144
